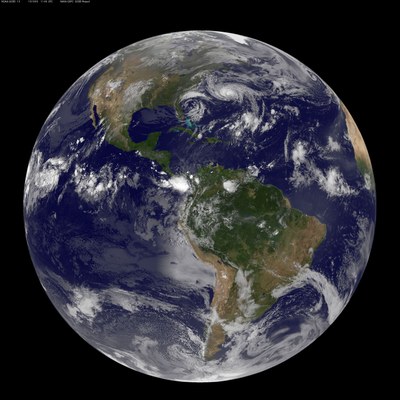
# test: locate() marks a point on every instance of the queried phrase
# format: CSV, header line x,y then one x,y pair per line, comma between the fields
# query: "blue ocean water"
x,y
67,236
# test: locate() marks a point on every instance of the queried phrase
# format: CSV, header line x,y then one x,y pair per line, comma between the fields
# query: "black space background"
x,y
44,49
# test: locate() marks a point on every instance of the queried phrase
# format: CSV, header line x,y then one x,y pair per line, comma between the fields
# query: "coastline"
x,y
224,280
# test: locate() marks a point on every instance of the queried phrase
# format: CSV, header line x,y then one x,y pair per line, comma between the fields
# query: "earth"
x,y
199,206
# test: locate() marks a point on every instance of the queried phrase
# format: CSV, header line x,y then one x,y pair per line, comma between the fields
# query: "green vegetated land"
x,y
253,228
146,148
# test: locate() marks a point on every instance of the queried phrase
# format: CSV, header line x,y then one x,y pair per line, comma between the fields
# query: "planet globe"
x,y
199,206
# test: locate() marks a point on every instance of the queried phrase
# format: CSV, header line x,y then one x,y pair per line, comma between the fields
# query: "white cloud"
x,y
306,172
97,186
112,85
192,94
367,181
133,93
228,93
333,183
250,121
299,153
271,165
333,145
42,178
85,304
292,110
230,186
245,301
133,302
271,122
253,170
329,292
286,145
237,38
178,183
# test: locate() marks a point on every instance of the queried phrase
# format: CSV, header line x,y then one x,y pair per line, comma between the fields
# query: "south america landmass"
x,y
252,237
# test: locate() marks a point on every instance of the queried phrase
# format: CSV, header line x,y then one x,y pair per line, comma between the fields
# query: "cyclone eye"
x,y
189,104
